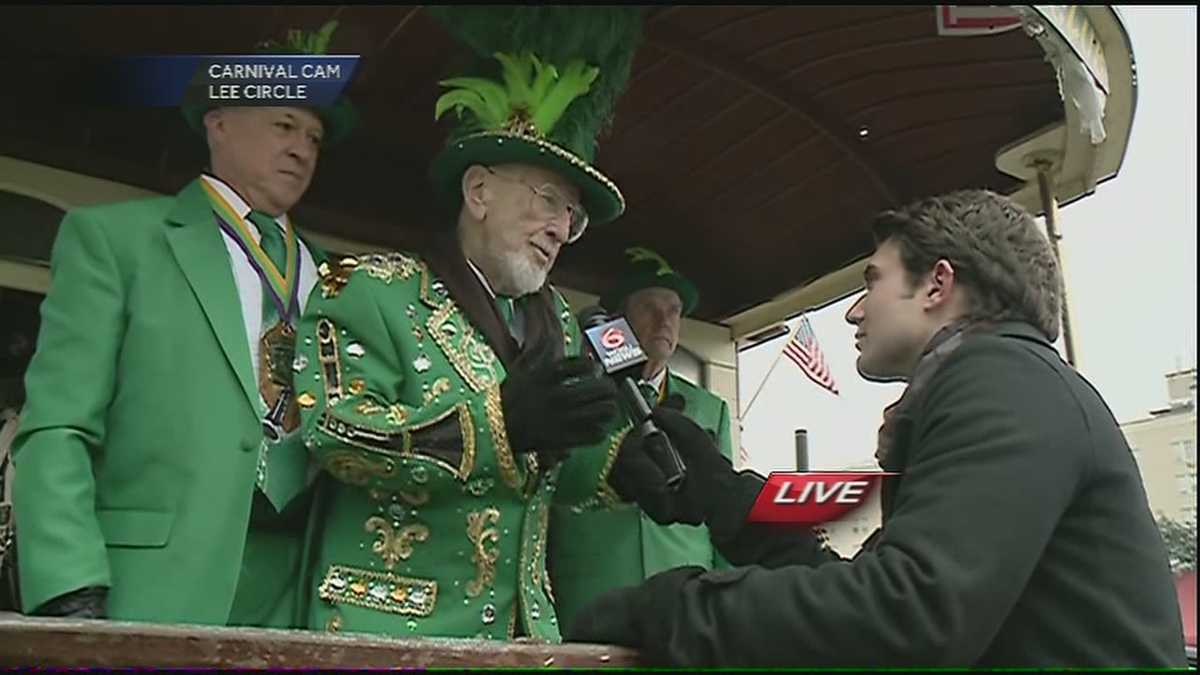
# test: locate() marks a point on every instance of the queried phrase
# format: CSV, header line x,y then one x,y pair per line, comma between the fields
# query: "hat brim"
x,y
339,119
689,296
599,195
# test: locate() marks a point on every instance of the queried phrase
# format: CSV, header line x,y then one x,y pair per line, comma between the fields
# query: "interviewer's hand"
x,y
636,478
619,616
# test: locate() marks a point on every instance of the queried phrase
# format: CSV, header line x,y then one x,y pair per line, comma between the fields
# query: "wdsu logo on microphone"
x,y
615,345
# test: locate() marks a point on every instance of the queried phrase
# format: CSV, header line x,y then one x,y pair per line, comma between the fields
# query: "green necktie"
x,y
276,249
278,478
507,310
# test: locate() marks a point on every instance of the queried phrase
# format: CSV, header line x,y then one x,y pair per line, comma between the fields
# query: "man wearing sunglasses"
x,y
442,391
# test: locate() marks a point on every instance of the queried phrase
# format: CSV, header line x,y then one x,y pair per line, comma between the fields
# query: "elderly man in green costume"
x,y
442,390
623,545
159,472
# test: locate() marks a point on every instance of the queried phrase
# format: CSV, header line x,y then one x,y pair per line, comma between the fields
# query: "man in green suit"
x,y
441,390
159,476
624,545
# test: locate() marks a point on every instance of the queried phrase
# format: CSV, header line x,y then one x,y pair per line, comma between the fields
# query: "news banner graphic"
x,y
300,80
813,497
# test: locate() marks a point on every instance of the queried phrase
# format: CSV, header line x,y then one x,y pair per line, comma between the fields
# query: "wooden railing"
x,y
73,643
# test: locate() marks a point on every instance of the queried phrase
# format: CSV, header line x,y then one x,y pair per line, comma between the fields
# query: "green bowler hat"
x,y
646,269
545,82
339,117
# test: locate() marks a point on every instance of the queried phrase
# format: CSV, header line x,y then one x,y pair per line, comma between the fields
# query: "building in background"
x,y
1164,445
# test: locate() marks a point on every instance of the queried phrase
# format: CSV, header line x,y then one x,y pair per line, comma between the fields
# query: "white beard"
x,y
519,275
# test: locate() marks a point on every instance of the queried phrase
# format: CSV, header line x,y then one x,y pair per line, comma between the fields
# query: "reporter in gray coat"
x,y
1017,532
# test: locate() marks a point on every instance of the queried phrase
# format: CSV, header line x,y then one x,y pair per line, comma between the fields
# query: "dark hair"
x,y
996,248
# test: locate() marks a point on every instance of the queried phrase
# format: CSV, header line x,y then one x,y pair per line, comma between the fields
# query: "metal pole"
x,y
1050,207
802,449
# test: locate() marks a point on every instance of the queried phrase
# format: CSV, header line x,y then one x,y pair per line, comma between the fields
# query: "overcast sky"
x,y
1130,256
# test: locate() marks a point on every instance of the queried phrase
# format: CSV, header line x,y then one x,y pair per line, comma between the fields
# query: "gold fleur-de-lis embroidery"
x,y
394,545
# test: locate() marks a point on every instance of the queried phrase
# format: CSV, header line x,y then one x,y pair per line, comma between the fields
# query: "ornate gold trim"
x,y
555,149
389,267
426,287
440,386
368,408
604,491
394,545
382,591
472,358
330,359
504,454
484,558
335,277
365,437
334,623
466,428
540,576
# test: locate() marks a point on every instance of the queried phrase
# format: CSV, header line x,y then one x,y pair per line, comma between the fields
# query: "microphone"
x,y
612,344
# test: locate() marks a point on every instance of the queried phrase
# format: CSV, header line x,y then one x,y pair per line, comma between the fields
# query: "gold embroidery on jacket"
x,y
381,591
481,535
388,267
504,454
394,545
331,368
334,277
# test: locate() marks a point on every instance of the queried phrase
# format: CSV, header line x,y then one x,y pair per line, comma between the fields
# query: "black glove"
x,y
635,477
620,616
551,406
85,603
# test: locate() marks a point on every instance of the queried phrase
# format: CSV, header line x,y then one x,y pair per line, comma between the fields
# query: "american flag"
x,y
802,349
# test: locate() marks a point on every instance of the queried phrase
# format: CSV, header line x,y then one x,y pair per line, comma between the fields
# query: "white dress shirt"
x,y
249,285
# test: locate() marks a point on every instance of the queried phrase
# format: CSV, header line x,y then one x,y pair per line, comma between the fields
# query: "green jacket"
x,y
433,527
135,460
598,542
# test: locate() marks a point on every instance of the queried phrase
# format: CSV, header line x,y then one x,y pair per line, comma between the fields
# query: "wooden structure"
x,y
754,143
65,643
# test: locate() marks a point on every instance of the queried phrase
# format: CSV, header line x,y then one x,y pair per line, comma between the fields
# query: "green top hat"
x,y
548,80
339,117
646,269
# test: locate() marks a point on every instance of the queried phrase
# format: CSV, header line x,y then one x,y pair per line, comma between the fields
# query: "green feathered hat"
x,y
545,84
339,117
646,269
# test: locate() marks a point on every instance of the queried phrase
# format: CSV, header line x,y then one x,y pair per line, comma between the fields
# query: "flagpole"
x,y
762,384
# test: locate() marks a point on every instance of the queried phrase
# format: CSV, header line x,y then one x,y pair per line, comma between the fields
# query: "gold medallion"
x,y
276,352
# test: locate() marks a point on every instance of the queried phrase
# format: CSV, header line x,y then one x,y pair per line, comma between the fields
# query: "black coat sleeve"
x,y
991,468
766,544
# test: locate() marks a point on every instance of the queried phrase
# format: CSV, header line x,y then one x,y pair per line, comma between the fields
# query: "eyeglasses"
x,y
547,202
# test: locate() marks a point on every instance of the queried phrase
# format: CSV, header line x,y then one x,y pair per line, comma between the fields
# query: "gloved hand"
x,y
621,616
85,603
551,406
635,477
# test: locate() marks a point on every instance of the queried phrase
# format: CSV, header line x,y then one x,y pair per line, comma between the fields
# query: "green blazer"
x,y
598,542
135,460
432,525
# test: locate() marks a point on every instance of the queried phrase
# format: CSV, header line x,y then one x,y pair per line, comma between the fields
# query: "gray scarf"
x,y
940,346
